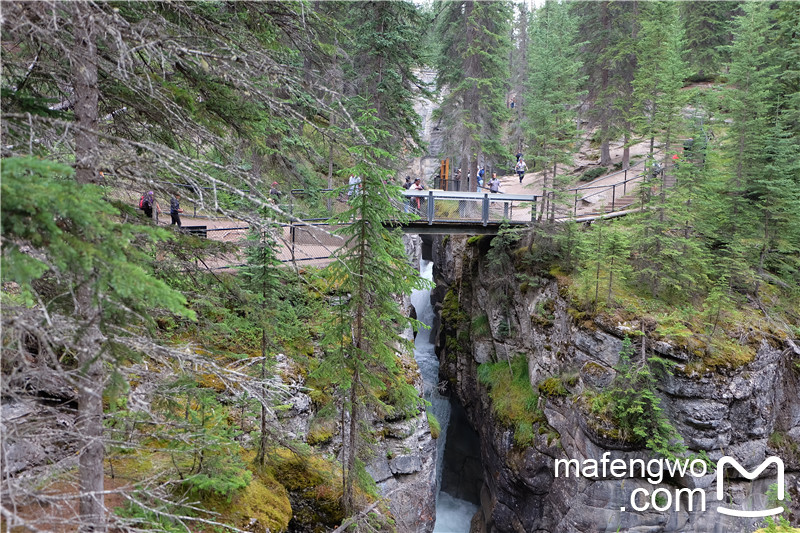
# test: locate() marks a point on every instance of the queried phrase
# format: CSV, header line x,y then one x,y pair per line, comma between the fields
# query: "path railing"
x,y
598,193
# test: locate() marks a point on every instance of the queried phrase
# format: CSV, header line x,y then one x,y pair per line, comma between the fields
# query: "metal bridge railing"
x,y
474,207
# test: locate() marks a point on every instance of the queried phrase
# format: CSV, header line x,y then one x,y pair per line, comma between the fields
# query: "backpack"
x,y
144,202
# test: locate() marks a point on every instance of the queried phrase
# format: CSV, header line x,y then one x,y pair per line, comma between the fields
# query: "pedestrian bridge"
x,y
472,213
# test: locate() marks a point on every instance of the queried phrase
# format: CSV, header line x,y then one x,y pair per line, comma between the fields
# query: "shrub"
x,y
593,173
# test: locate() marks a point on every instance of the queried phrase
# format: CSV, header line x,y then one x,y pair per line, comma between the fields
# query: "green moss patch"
x,y
514,401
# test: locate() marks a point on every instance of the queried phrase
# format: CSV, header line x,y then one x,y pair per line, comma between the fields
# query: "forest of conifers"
x,y
130,360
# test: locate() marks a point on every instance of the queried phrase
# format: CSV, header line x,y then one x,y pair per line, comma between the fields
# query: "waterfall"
x,y
452,514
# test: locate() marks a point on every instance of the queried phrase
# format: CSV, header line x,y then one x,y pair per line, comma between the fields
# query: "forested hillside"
x,y
144,388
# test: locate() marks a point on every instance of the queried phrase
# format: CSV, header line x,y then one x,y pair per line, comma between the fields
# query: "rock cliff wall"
x,y
749,413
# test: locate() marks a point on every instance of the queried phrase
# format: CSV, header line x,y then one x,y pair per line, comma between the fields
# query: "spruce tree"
x,y
261,275
63,234
552,95
605,31
750,142
707,35
474,72
659,77
382,67
369,272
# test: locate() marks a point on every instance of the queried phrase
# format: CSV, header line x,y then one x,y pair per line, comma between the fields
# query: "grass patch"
x,y
480,326
433,423
514,401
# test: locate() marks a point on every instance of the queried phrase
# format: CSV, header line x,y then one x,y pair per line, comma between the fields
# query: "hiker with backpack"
x,y
147,202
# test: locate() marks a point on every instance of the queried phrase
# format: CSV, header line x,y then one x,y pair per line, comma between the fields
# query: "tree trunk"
x,y
89,422
84,76
89,345
261,457
605,153
553,193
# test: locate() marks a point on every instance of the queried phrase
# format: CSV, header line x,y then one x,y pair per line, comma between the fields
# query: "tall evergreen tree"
x,y
383,65
370,270
658,100
474,72
707,35
751,136
552,94
762,178
605,29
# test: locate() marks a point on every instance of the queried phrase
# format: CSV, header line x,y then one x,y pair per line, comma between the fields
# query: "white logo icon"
x,y
749,514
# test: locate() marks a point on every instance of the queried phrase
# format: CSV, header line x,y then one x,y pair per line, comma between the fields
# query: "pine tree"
x,y
61,232
707,34
657,84
752,101
552,95
473,69
606,29
370,270
387,50
262,277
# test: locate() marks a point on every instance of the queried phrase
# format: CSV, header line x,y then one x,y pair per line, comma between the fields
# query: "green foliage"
x,y
480,326
433,423
593,173
777,524
202,441
78,236
138,516
707,34
514,401
552,387
636,407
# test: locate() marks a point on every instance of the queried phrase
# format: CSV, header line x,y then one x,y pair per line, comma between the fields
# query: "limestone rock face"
x,y
749,413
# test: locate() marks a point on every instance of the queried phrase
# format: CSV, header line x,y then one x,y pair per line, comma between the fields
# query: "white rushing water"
x,y
452,514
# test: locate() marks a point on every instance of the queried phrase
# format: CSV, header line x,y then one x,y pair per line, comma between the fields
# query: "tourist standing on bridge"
x,y
407,202
417,186
494,184
521,168
175,209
